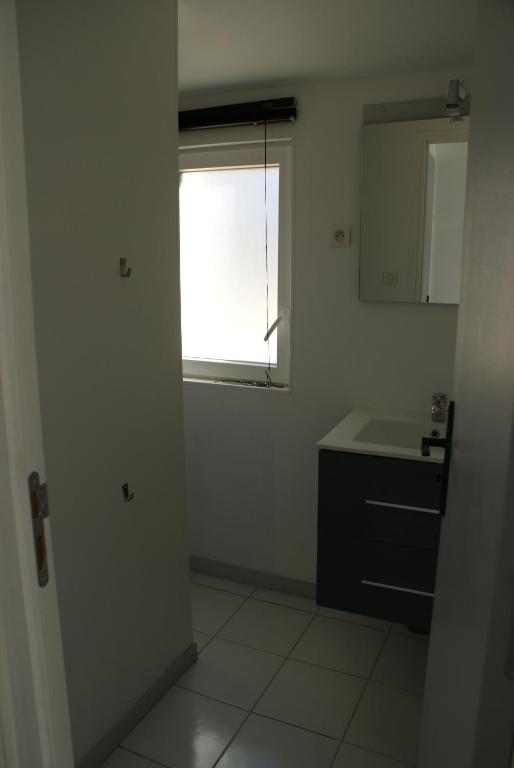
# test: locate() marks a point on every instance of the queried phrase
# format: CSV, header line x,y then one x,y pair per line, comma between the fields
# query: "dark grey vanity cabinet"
x,y
378,536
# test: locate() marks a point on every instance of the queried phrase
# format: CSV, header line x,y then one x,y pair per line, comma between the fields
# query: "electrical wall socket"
x,y
389,279
342,237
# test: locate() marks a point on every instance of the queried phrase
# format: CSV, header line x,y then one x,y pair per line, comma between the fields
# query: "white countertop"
x,y
416,425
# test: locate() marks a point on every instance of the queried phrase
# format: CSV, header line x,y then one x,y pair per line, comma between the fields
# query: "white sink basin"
x,y
396,435
402,434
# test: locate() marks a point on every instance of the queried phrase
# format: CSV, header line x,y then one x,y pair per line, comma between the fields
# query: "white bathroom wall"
x,y
99,97
251,456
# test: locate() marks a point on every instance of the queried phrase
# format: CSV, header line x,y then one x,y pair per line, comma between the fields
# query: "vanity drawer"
x,y
400,481
385,522
394,501
387,581
393,566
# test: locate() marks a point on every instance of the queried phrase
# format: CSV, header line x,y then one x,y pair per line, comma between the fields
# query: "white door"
x,y
469,696
34,721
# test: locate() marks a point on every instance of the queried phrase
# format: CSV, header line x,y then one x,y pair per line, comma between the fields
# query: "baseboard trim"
x,y
249,576
113,738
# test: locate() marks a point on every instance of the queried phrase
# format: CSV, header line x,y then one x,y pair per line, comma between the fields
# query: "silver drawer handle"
x,y
428,510
396,589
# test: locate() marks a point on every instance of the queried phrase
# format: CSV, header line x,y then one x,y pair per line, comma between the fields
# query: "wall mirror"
x,y
412,210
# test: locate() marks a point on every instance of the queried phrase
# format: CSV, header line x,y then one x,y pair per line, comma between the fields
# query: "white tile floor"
x,y
280,683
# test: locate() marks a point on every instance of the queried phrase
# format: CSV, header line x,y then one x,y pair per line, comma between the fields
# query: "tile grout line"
x,y
311,663
212,698
227,591
259,714
365,688
261,599
297,727
198,652
313,616
271,602
219,638
319,608
232,740
245,600
278,719
246,645
340,741
401,763
268,717
211,637
317,612
398,687
387,632
140,754
252,711
286,658
298,661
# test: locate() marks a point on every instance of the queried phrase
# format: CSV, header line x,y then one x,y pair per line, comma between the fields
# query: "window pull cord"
x,y
268,382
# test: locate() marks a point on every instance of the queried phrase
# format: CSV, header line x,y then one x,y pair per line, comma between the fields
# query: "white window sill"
x,y
284,389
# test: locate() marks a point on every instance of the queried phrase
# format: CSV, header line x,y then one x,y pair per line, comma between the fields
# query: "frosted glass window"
x,y
222,264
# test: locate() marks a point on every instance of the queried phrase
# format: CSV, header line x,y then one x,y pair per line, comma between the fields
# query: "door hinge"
x,y
39,510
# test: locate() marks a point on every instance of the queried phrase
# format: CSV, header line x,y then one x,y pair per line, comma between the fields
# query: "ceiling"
x,y
229,43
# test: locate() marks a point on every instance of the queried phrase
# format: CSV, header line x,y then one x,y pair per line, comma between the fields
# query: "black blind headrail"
x,y
249,113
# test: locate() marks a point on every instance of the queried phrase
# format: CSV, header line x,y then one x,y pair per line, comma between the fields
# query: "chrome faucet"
x,y
439,406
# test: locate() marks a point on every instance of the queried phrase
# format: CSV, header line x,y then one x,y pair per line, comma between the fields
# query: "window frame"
x,y
241,155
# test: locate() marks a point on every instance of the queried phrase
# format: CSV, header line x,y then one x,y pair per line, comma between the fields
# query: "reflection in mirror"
x,y
412,210
445,188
